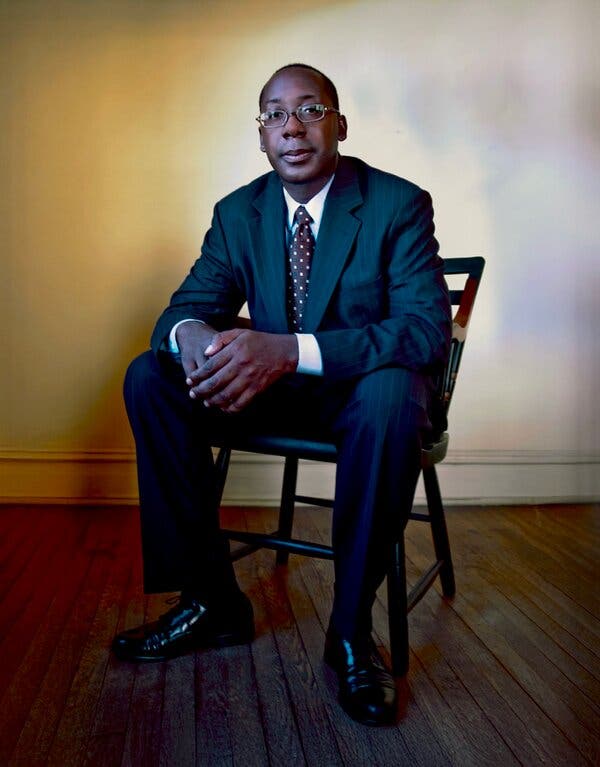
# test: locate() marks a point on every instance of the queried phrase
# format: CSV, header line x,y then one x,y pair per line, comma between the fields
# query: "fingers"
x,y
217,385
220,340
212,385
230,388
189,365
238,365
218,355
229,402
208,368
232,399
214,346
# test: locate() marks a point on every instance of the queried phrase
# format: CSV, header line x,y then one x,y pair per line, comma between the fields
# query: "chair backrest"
x,y
464,300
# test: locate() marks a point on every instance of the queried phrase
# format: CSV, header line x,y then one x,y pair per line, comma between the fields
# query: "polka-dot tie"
x,y
302,248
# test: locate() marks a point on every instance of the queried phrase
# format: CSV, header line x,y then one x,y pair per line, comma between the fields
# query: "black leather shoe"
x,y
186,627
366,688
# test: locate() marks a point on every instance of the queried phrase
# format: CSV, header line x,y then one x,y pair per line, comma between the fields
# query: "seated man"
x,y
350,320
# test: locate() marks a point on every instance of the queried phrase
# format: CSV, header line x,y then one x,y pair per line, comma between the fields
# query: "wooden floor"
x,y
506,674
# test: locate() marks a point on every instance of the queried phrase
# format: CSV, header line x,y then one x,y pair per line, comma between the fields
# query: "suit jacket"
x,y
377,295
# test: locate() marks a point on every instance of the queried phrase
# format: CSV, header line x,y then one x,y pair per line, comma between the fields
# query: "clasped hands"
x,y
228,369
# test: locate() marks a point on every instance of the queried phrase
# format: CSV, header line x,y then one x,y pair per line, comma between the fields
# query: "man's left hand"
x,y
240,365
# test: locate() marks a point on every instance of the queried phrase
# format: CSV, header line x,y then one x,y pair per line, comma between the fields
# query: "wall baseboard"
x,y
466,477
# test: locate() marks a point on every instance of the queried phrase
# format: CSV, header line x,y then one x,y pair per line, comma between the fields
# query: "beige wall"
x,y
123,123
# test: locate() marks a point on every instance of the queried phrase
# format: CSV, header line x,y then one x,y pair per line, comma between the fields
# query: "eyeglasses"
x,y
307,113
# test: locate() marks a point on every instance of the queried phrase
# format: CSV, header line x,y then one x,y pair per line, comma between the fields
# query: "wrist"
x,y
292,353
191,336
193,329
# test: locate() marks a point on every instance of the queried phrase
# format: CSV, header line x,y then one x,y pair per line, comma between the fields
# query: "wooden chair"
x,y
399,602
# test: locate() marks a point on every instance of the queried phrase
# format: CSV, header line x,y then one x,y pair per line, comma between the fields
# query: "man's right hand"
x,y
228,369
193,338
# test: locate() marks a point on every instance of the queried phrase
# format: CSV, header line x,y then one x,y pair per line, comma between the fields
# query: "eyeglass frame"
x,y
294,112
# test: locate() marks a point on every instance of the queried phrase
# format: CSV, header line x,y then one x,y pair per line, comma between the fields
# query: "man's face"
x,y
303,154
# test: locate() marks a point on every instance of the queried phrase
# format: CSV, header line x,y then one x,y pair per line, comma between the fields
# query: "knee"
x,y
139,372
393,399
144,379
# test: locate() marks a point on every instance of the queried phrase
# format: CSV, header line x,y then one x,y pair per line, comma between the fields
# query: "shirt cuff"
x,y
173,345
310,361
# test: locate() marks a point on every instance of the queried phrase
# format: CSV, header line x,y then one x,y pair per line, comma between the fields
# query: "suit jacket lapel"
x,y
336,235
268,238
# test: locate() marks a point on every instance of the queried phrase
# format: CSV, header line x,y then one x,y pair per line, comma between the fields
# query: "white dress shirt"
x,y
309,354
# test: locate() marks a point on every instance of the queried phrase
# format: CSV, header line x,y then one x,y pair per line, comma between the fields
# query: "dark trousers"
x,y
377,423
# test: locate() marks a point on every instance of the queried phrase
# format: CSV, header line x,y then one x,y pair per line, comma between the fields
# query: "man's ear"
x,y
342,128
260,141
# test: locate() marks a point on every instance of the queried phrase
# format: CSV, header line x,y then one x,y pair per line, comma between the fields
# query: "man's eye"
x,y
312,109
275,114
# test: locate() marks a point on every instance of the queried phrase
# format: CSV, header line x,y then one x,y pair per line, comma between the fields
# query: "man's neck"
x,y
302,193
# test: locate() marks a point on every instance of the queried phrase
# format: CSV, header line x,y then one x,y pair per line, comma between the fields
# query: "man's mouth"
x,y
297,155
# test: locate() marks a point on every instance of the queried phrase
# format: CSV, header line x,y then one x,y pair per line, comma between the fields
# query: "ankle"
x,y
214,599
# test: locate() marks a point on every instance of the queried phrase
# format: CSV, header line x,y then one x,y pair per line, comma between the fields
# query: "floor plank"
x,y
506,673
39,730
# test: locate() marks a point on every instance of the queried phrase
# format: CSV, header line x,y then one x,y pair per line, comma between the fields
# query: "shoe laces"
x,y
175,600
179,604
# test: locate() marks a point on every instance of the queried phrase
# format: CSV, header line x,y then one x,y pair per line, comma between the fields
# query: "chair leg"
x,y
439,530
286,507
397,609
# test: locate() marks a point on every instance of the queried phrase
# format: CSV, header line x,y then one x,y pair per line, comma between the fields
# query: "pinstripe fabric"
x,y
380,312
378,432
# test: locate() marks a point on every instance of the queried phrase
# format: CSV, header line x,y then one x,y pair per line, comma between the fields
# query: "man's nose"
x,y
294,127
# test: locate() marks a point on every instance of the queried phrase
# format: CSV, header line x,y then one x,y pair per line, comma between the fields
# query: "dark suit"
x,y
378,306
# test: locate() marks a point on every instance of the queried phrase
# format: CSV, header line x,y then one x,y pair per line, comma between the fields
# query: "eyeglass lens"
x,y
306,113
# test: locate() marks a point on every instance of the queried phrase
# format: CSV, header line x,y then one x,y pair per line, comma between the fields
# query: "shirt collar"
x,y
314,207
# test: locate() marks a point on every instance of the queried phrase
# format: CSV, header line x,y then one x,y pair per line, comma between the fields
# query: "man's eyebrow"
x,y
278,99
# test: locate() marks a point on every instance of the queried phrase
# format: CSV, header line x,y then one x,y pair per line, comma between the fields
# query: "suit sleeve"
x,y
208,293
414,328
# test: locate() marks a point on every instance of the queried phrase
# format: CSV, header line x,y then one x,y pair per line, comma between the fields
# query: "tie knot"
x,y
302,216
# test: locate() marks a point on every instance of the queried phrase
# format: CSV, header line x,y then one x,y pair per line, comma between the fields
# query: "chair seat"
x,y
275,444
315,450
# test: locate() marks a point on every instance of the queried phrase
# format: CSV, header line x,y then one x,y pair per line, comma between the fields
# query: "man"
x,y
350,319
